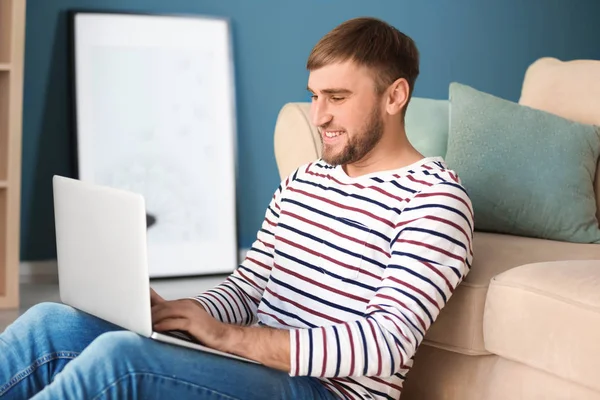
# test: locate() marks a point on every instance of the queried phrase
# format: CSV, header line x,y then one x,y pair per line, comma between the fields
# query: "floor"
x,y
170,289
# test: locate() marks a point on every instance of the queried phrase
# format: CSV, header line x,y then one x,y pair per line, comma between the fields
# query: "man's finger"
x,y
171,324
170,309
155,298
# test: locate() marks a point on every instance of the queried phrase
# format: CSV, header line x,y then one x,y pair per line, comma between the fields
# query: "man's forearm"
x,y
269,346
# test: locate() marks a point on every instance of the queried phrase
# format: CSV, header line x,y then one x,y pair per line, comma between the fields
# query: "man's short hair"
x,y
372,43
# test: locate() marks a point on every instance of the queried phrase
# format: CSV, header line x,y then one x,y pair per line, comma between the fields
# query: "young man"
x,y
358,253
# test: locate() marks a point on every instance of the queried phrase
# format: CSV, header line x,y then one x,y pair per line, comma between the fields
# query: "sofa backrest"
x,y
296,140
570,89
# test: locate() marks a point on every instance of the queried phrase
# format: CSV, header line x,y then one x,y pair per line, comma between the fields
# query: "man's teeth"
x,y
331,134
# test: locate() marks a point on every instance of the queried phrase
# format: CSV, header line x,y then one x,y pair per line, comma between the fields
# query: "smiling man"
x,y
358,253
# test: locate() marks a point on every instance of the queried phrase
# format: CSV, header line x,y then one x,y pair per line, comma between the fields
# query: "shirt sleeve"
x,y
430,255
236,300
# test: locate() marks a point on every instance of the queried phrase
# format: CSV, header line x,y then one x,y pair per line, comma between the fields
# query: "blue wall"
x,y
486,44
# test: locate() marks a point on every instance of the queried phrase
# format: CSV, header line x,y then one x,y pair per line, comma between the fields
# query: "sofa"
x,y
525,322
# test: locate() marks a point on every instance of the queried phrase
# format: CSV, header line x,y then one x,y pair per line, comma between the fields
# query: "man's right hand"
x,y
155,298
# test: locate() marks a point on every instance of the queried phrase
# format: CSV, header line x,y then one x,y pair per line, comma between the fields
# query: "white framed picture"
x,y
154,113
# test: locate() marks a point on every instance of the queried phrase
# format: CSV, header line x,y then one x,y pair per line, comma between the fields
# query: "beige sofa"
x,y
525,323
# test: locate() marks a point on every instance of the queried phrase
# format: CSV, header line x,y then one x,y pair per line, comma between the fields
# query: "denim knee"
x,y
119,344
46,313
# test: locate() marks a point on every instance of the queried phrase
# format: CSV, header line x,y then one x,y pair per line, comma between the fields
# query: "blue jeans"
x,y
54,351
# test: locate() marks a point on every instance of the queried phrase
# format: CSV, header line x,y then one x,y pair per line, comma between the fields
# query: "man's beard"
x,y
359,145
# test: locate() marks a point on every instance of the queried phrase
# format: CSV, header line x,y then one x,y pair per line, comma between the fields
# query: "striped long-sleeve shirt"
x,y
356,268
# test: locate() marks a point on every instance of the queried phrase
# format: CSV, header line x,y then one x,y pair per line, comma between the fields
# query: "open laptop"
x,y
102,259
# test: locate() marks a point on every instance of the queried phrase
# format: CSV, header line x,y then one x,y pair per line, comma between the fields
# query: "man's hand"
x,y
155,298
268,346
187,315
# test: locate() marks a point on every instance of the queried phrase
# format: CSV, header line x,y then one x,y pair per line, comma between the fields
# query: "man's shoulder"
x,y
434,173
440,191
435,182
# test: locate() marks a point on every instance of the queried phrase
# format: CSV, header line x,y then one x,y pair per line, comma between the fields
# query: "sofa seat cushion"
x,y
459,326
547,316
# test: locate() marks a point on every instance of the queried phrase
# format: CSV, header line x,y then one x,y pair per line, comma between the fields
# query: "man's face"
x,y
347,111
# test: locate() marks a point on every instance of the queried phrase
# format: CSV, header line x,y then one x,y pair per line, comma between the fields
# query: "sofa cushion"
x,y
547,316
528,172
426,123
570,89
459,327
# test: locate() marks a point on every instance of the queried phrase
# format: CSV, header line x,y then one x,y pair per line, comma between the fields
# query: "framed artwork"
x,y
154,113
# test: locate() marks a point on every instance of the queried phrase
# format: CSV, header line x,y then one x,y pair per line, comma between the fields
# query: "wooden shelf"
x,y
12,46
6,28
4,124
6,290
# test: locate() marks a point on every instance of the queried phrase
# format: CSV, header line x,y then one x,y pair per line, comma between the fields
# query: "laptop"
x,y
102,258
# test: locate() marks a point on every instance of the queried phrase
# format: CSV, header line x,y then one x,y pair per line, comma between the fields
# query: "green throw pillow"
x,y
426,124
528,172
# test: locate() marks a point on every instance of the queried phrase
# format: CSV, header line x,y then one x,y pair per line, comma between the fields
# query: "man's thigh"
x,y
144,368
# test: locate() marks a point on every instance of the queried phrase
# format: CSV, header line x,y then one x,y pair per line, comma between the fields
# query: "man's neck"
x,y
392,152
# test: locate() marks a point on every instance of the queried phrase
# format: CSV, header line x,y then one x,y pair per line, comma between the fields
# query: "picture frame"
x,y
154,113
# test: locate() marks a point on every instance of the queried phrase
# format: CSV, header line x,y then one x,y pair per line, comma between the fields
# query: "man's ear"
x,y
397,96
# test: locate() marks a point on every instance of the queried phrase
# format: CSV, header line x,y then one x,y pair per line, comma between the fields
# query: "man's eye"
x,y
313,97
335,98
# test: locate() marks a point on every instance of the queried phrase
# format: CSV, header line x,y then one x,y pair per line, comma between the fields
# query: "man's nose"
x,y
319,114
